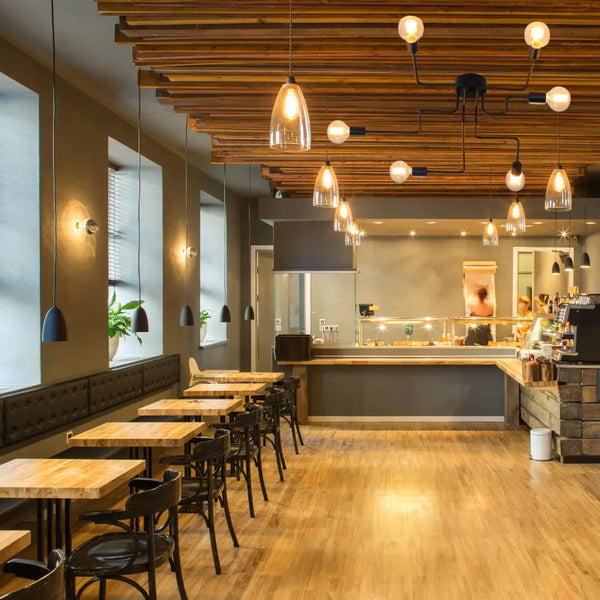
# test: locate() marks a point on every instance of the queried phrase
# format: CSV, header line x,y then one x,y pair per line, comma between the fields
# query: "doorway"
x,y
262,334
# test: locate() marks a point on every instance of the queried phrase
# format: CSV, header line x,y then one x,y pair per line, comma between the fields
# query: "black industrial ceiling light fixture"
x,y
186,317
249,310
54,328
468,87
139,321
225,316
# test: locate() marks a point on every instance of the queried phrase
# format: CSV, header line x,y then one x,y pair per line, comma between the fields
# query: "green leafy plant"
x,y
204,317
119,322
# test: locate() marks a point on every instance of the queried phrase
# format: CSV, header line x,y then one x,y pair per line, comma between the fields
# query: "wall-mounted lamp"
x,y
191,252
89,226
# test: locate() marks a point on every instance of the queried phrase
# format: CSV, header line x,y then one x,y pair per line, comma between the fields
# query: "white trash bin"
x,y
541,443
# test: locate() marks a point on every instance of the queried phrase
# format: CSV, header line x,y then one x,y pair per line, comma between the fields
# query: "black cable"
x,y
55,245
139,206
187,221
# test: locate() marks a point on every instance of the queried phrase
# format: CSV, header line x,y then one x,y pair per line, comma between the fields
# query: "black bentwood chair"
x,y
48,580
130,551
273,403
290,411
207,483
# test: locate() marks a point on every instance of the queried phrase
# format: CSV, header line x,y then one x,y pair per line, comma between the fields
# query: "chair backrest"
x,y
164,496
49,580
193,367
276,397
250,418
211,448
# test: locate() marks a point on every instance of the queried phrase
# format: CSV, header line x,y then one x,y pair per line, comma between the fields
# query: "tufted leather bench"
x,y
34,412
160,373
115,387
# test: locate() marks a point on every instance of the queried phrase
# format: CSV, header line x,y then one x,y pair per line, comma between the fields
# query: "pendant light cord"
x,y
290,47
139,206
54,243
187,221
490,201
558,134
225,234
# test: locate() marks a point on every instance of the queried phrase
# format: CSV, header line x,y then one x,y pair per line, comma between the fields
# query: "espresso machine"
x,y
579,333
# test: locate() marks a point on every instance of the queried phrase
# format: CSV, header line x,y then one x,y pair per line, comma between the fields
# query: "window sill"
x,y
130,360
212,343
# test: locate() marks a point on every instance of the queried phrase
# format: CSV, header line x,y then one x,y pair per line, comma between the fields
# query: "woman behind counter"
x,y
480,335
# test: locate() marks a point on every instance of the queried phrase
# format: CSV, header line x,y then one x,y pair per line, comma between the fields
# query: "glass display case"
x,y
393,331
489,331
543,331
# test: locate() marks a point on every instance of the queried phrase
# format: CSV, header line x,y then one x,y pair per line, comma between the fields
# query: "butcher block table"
x,y
62,479
12,542
242,376
189,407
139,434
212,390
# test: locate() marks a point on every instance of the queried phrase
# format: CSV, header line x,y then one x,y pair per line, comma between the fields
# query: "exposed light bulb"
x,y
291,105
537,35
515,183
558,98
400,171
338,132
290,123
559,182
558,191
411,29
327,179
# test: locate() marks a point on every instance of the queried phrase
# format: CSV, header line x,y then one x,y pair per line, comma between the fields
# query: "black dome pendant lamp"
x,y
186,317
54,328
225,316
249,312
139,322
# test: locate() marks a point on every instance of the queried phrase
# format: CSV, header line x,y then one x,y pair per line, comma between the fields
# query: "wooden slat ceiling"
x,y
223,62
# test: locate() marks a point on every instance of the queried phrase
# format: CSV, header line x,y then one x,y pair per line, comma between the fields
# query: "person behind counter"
x,y
480,335
524,311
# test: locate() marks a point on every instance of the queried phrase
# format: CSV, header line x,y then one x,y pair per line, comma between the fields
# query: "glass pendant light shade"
x,y
411,29
558,191
225,316
515,220
558,98
290,123
585,261
338,132
139,322
55,326
186,316
326,193
555,268
343,216
537,35
569,266
490,234
515,183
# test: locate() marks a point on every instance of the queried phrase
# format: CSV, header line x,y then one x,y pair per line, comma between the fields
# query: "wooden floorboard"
x,y
403,514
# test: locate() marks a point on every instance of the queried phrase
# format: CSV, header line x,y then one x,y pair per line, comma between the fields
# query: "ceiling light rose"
x,y
558,191
326,192
411,29
338,132
537,35
490,234
558,98
515,220
343,216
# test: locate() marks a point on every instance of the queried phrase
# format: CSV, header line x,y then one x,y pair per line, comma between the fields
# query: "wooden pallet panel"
x,y
589,393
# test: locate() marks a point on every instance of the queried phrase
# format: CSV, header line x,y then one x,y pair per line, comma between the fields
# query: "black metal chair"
x,y
246,448
207,483
290,411
48,580
273,402
113,556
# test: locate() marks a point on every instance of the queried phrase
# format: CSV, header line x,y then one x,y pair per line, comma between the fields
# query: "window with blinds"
x,y
113,233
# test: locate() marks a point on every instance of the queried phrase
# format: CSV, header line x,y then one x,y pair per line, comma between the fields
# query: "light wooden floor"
x,y
371,514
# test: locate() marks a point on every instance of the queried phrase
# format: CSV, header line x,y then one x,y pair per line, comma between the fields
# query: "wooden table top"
x,y
242,376
65,478
138,434
12,542
207,390
189,407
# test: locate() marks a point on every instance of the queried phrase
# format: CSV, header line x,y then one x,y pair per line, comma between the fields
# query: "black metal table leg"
x,y
58,530
49,536
40,530
68,541
147,453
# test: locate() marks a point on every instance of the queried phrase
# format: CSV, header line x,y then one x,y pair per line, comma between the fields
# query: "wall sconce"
x,y
191,252
89,226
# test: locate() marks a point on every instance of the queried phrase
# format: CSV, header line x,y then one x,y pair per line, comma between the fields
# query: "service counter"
x,y
436,383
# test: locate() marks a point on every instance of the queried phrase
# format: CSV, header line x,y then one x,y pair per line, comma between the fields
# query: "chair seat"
x,y
193,489
238,451
109,554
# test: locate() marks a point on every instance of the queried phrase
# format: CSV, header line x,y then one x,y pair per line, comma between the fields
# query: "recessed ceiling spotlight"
x,y
463,233
564,233
435,222
377,222
538,222
590,222
514,234
412,233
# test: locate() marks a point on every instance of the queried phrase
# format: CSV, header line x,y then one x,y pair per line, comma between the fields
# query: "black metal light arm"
x,y
435,84
519,89
464,158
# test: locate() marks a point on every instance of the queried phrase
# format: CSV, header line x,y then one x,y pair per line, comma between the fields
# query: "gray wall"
x,y
591,277
83,129
424,276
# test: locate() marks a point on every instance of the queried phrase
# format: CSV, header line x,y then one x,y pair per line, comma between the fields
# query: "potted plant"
x,y
203,320
119,323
